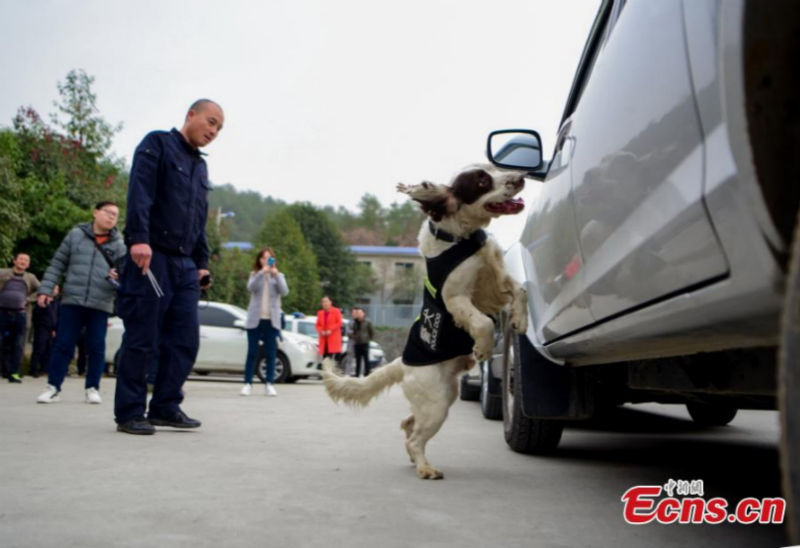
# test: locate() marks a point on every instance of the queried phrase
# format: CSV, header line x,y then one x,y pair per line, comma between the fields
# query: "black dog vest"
x,y
434,336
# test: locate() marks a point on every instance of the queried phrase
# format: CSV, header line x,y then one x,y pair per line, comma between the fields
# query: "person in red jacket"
x,y
329,327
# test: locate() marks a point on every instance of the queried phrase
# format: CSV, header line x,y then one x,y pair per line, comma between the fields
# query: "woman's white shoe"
x,y
246,389
270,390
93,396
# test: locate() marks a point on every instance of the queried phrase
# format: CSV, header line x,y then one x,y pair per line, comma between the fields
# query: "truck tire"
x,y
789,393
468,392
708,414
523,434
491,394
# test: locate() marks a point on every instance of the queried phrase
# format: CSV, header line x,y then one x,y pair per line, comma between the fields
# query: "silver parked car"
x,y
660,259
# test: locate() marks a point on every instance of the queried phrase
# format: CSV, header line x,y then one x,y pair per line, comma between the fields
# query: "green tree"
x,y
336,263
372,213
295,259
83,123
62,181
13,221
231,268
365,280
402,222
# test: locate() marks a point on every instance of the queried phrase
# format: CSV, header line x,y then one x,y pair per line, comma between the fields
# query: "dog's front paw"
x,y
519,323
429,472
483,349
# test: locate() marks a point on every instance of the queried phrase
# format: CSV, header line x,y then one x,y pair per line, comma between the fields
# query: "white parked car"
x,y
307,326
223,345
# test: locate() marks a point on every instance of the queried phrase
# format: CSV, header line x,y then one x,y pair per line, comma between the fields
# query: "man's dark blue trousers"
x,y
166,328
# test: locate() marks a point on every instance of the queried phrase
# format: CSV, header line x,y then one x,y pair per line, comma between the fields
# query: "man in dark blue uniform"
x,y
167,262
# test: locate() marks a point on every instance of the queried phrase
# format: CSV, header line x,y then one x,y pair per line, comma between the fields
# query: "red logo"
x,y
684,504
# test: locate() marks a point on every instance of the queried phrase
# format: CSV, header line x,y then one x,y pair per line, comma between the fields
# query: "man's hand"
x,y
141,255
44,300
200,274
113,274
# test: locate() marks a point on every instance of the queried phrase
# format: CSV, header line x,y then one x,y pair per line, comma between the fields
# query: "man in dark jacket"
x,y
167,264
363,333
84,259
45,325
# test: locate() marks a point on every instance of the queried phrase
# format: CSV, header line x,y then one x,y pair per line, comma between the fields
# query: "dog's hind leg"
x,y
431,390
407,425
425,428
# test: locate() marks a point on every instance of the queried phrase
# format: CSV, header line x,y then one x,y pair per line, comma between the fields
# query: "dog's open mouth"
x,y
509,207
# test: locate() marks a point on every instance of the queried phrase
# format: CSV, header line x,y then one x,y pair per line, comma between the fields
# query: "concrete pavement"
x,y
300,471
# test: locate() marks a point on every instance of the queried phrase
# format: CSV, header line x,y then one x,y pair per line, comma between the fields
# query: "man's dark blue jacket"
x,y
168,197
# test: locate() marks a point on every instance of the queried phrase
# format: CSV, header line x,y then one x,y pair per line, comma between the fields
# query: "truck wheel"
x,y
523,434
789,393
707,414
469,392
491,395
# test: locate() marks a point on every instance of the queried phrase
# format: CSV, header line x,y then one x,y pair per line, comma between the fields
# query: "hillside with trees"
x,y
52,173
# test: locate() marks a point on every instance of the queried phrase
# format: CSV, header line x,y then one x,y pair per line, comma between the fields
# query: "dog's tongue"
x,y
509,207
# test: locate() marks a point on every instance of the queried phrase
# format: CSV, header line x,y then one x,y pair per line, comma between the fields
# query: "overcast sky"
x,y
324,100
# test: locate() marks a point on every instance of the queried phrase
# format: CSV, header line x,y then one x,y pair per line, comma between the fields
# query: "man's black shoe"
x,y
139,425
178,420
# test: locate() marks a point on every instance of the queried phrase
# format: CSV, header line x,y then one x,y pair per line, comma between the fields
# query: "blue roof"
x,y
244,246
384,250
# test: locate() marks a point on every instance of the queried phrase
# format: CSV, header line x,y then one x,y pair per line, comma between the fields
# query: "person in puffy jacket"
x,y
84,260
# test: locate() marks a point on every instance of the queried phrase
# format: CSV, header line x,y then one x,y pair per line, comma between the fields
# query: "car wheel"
x,y
709,414
491,395
523,434
789,393
469,392
282,368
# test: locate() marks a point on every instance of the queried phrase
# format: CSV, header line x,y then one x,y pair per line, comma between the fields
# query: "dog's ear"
x,y
437,201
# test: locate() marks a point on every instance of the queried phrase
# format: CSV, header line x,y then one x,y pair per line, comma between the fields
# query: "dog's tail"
x,y
359,392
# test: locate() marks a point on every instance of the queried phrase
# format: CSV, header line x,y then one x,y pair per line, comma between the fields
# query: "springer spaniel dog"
x,y
466,286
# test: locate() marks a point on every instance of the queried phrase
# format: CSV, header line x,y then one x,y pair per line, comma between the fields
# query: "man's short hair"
x,y
200,104
104,203
18,253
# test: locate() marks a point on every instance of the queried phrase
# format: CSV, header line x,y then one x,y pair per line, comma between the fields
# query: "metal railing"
x,y
391,315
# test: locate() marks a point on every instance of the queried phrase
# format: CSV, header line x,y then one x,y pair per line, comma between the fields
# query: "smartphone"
x,y
271,261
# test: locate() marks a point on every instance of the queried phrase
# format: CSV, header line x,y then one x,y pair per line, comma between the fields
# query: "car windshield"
x,y
307,328
240,310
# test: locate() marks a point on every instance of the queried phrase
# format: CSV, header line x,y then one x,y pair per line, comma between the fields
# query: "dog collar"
x,y
440,234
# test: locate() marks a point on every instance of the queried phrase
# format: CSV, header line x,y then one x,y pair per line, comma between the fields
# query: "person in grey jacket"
x,y
84,259
266,286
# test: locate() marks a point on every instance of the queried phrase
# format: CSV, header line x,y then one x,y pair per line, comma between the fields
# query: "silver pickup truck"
x,y
661,260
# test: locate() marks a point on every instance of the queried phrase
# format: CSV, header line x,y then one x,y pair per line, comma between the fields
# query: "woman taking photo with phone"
x,y
266,286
